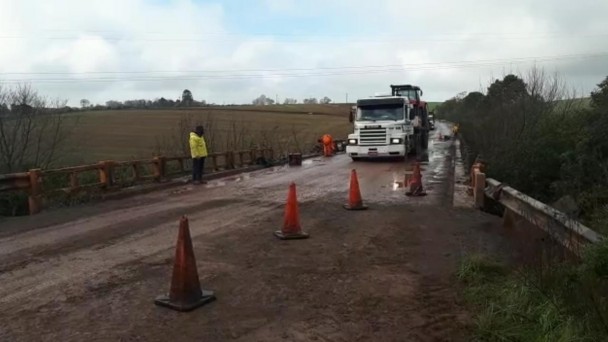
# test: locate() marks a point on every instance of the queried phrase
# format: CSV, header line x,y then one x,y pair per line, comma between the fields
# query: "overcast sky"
x,y
232,51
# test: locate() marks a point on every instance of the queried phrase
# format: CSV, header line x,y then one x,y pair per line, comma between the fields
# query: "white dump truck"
x,y
382,128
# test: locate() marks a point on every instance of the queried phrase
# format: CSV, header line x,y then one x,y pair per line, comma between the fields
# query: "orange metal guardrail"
x,y
114,174
568,232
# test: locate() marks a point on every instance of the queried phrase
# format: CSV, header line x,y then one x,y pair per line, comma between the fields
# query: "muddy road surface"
x,y
386,274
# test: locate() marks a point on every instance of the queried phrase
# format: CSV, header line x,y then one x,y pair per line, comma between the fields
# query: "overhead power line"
x,y
383,66
286,38
290,73
164,32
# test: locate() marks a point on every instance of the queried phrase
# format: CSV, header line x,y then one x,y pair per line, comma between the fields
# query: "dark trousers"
x,y
198,164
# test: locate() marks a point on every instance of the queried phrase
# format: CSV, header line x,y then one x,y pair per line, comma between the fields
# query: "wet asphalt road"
x,y
48,260
61,254
380,181
327,179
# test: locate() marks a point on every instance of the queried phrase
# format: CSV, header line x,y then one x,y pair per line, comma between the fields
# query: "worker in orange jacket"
x,y
328,145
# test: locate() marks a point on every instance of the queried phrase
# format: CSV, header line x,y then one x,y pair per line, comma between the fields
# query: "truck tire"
x,y
356,159
425,140
417,143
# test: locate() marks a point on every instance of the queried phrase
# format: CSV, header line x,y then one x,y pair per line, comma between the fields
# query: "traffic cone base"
x,y
416,194
291,236
358,207
206,297
185,293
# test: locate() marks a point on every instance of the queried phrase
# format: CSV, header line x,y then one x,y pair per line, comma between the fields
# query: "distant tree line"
x,y
263,100
186,100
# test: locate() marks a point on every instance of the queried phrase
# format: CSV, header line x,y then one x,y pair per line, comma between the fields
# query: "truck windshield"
x,y
381,112
410,93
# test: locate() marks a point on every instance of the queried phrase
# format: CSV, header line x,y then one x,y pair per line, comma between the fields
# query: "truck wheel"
x,y
417,143
425,140
356,159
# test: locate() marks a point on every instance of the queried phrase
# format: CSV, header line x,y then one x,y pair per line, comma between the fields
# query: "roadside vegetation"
x,y
561,303
538,137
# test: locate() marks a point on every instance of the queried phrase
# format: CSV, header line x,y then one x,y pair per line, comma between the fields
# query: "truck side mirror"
x,y
351,117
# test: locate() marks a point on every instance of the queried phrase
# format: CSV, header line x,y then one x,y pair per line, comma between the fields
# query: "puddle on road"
x,y
181,190
216,184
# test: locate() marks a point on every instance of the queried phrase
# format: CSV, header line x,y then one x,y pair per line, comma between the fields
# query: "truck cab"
x,y
382,128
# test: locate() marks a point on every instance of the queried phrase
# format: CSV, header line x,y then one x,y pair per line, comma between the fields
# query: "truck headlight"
x,y
352,141
396,141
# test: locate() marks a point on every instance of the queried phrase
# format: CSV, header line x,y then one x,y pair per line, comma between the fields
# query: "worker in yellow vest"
x,y
455,129
198,151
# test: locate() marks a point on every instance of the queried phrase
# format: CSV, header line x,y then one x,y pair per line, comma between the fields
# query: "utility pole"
x,y
276,98
346,97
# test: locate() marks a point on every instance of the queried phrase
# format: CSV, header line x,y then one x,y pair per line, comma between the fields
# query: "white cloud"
x,y
186,36
280,5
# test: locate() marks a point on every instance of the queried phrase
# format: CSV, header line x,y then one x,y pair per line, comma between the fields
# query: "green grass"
x,y
564,303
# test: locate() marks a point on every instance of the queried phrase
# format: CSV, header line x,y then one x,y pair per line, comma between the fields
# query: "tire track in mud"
x,y
94,238
65,275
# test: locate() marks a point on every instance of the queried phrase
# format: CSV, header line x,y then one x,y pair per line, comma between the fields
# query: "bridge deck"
x,y
384,274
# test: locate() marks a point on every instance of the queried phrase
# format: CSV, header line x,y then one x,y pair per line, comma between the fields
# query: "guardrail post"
x,y
478,190
105,173
74,182
252,156
229,160
35,195
241,159
160,166
182,169
136,172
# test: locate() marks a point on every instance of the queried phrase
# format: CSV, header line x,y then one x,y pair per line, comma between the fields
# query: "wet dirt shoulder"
x,y
386,274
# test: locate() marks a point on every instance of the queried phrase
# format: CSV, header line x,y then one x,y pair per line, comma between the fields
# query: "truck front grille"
x,y
372,136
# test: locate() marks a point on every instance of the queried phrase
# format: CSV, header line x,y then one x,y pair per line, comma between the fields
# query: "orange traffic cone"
x,y
416,183
407,179
291,224
355,202
186,293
